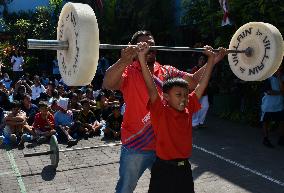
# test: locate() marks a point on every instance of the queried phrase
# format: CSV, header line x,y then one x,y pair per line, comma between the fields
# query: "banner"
x,y
224,5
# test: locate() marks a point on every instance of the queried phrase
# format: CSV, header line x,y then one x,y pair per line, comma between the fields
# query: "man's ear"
x,y
166,96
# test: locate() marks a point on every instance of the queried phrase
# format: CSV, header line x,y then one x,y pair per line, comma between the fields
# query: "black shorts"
x,y
273,116
171,176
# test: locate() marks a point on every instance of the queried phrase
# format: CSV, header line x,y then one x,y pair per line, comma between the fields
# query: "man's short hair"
x,y
172,82
135,36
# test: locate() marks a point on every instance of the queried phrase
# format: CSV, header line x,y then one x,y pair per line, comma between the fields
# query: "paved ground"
x,y
227,157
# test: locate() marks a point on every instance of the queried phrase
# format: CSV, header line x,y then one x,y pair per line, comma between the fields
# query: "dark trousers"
x,y
171,177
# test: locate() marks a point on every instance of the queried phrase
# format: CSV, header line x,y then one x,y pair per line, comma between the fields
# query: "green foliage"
x,y
21,29
43,28
204,16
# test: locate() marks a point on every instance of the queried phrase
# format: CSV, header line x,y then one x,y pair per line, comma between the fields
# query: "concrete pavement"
x,y
227,157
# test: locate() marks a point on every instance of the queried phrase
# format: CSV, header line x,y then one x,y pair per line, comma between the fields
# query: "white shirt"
x,y
17,62
36,90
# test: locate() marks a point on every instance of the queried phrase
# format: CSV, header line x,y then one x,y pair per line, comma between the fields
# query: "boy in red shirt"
x,y
172,123
44,123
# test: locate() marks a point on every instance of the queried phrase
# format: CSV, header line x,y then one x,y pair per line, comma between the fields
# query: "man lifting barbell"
x,y
137,136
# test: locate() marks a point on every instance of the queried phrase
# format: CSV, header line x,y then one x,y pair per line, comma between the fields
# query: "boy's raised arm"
x,y
151,87
205,77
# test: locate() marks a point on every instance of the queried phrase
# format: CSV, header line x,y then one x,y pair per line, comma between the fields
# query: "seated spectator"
x,y
15,124
30,109
44,79
7,81
43,123
37,88
4,98
75,106
90,97
88,119
79,93
65,126
48,94
2,125
113,123
103,110
19,93
61,91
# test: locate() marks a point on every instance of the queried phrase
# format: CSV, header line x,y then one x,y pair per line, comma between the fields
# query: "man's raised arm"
x,y
113,75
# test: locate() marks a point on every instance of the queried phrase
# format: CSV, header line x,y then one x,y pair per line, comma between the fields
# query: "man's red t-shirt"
x,y
136,129
173,129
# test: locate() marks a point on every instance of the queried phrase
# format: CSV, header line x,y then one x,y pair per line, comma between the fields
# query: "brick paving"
x,y
96,170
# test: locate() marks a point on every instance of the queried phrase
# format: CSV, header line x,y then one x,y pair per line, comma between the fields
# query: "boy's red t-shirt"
x,y
173,129
41,124
136,129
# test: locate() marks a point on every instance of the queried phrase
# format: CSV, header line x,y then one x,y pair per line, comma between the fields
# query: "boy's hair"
x,y
42,104
15,104
84,101
172,82
135,36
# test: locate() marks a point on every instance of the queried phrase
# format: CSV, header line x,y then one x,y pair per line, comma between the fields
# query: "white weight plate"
x,y
264,40
279,38
78,25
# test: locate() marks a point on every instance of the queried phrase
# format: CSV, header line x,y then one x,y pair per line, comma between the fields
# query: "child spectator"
x,y
43,123
15,124
7,81
65,126
113,123
103,109
30,109
4,97
2,125
37,88
75,105
90,97
88,119
172,124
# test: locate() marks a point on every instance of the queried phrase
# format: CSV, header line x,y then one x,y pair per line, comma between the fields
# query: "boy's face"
x,y
177,98
86,106
15,110
43,110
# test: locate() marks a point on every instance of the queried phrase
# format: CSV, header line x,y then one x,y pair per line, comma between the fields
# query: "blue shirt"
x,y
64,119
273,103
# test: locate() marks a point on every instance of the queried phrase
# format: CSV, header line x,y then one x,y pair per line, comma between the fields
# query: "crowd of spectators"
x,y
32,108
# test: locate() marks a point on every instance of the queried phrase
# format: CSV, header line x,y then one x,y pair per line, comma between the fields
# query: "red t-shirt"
x,y
41,124
136,130
173,129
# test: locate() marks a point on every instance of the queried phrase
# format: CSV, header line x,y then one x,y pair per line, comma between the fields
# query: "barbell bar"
x,y
64,45
54,150
256,49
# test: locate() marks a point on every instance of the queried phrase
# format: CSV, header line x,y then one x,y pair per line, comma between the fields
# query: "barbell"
x,y
54,150
255,50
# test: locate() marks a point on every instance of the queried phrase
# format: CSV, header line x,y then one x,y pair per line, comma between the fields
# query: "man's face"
x,y
177,97
151,56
